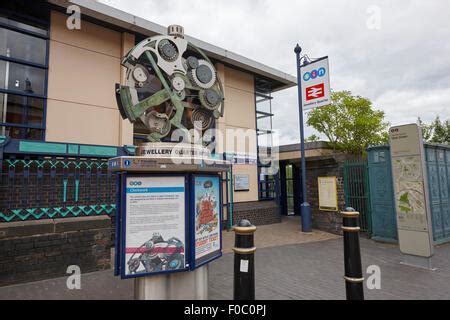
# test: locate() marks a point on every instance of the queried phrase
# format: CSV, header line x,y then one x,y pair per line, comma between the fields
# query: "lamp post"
x,y
305,209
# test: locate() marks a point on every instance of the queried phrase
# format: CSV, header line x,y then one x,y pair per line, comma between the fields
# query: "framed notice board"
x,y
328,197
153,224
241,182
206,219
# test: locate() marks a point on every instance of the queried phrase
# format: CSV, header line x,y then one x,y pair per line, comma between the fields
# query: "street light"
x,y
305,208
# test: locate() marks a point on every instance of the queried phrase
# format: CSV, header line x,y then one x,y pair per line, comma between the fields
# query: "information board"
x,y
411,196
207,224
154,225
328,198
241,182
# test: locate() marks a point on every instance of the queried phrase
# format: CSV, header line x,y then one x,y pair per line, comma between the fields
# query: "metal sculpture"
x,y
170,84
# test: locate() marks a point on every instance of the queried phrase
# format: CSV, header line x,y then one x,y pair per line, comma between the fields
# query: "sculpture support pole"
x,y
173,286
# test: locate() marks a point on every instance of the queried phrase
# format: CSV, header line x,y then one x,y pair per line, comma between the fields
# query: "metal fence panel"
x,y
384,223
356,191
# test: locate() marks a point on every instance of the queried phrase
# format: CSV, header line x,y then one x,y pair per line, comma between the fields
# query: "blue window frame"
x,y
24,35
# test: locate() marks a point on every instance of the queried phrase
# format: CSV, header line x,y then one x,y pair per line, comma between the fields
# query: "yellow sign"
x,y
328,197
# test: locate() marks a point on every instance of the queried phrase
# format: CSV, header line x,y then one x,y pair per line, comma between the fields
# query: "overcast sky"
x,y
396,53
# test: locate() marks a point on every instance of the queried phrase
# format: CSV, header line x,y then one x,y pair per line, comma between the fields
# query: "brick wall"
x,y
257,212
42,249
328,167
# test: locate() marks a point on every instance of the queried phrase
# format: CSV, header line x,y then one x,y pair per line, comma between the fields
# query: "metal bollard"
x,y
244,261
354,279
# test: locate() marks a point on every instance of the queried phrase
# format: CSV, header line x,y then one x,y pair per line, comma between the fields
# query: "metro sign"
x,y
315,92
315,84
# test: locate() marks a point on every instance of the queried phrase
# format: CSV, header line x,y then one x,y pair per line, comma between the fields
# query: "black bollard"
x,y
244,261
354,279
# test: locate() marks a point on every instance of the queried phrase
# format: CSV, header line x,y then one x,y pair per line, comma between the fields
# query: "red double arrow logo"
x,y
315,92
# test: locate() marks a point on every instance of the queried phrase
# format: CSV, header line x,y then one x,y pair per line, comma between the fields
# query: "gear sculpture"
x,y
170,84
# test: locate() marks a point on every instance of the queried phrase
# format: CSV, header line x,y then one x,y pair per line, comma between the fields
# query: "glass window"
x,y
22,133
21,46
28,27
263,102
31,16
264,122
265,140
22,110
23,37
18,77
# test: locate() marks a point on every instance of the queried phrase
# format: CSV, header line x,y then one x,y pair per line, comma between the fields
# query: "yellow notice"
x,y
328,200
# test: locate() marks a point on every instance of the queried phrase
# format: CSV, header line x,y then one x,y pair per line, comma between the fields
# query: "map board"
x,y
410,189
328,198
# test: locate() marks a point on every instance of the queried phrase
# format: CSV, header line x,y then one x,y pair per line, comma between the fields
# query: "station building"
x,y
60,123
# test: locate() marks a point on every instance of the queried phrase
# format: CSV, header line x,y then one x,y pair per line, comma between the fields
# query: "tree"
x,y
437,131
350,123
312,138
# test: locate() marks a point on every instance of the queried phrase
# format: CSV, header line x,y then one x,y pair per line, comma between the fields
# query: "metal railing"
x,y
356,190
41,180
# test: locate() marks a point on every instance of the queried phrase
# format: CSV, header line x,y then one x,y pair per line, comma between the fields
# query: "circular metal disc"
x,y
169,50
192,62
212,97
178,83
204,73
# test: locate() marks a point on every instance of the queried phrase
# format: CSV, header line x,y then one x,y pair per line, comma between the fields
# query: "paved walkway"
x,y
315,270
280,234
308,270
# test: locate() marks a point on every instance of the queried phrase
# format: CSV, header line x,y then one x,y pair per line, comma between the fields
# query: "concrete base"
x,y
174,286
417,262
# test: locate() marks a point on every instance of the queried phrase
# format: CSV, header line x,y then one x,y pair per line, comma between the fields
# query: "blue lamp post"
x,y
305,209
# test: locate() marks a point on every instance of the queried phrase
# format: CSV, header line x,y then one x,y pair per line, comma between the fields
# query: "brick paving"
x,y
280,234
314,271
309,270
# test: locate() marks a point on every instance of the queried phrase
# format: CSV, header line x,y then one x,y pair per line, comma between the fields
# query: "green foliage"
x,y
312,138
350,123
437,131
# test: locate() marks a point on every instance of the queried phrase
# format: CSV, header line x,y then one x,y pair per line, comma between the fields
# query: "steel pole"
x,y
305,209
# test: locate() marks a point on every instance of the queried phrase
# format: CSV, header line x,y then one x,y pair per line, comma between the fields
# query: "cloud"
x,y
403,67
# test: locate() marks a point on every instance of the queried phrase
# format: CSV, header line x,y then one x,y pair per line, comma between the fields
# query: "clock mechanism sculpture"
x,y
170,84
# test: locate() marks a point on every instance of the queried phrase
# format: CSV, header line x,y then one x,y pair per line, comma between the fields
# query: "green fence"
x,y
356,191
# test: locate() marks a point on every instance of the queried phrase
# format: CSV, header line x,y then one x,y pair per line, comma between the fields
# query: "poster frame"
x,y
214,255
187,244
329,209
234,184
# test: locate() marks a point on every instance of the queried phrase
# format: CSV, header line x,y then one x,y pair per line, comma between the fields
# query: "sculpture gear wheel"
x,y
209,99
167,50
204,76
170,83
